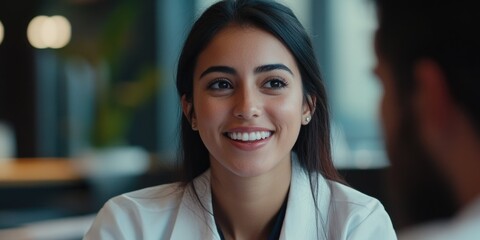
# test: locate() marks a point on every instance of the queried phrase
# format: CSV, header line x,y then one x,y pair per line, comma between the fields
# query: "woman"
x,y
255,142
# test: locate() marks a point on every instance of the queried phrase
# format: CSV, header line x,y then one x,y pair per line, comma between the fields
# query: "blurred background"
x,y
88,105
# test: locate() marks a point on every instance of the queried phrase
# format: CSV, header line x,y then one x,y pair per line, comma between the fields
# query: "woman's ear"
x,y
186,107
187,111
308,109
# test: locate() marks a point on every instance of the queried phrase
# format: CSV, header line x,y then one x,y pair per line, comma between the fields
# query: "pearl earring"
x,y
307,119
194,126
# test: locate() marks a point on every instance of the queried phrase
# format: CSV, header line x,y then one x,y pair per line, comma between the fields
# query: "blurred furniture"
x,y
34,189
57,229
37,171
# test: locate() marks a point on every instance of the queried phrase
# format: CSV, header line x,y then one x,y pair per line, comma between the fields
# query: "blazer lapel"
x,y
195,220
301,220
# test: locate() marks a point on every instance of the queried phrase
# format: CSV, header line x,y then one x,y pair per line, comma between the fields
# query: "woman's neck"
x,y
245,208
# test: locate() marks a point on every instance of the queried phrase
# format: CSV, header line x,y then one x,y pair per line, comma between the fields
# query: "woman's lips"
x,y
249,139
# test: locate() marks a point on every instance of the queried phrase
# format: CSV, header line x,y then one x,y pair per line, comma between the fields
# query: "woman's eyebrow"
x,y
271,67
259,69
222,69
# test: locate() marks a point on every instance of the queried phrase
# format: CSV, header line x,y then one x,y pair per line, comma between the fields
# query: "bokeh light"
x,y
49,32
2,32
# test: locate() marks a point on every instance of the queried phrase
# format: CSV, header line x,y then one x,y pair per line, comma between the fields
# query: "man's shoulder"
x,y
466,225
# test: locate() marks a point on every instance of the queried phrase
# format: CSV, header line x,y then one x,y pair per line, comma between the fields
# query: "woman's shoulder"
x,y
349,203
156,198
360,214
344,211
363,216
331,192
122,216
345,195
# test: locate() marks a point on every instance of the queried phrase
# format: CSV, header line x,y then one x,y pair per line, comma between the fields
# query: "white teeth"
x,y
264,135
245,137
252,136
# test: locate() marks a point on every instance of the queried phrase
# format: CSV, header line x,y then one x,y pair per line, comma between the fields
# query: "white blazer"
x,y
172,212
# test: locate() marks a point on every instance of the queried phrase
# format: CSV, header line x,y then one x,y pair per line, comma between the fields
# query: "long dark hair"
x,y
313,144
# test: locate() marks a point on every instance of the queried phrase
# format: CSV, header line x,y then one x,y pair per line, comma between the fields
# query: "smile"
x,y
248,136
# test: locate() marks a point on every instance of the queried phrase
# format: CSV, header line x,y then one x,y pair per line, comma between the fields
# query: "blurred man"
x,y
428,54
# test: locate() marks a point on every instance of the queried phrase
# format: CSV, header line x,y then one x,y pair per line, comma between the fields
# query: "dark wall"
x,y
17,85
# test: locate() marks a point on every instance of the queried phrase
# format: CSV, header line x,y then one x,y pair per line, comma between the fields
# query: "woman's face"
x,y
248,101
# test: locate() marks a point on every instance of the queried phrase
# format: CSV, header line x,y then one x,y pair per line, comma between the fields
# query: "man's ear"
x,y
434,105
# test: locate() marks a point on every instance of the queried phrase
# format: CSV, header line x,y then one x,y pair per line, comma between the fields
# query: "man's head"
x,y
429,64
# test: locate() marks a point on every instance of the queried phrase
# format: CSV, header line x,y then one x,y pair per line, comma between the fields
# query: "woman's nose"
x,y
247,105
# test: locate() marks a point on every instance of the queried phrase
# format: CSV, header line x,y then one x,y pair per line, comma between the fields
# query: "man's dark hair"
x,y
446,32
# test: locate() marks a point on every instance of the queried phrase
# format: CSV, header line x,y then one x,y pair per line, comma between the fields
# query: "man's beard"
x,y
419,191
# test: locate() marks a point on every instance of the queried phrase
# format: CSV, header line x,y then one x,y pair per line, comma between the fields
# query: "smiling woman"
x,y
258,89
255,142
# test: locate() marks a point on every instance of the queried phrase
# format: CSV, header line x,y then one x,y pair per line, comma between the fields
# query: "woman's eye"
x,y
275,83
220,84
